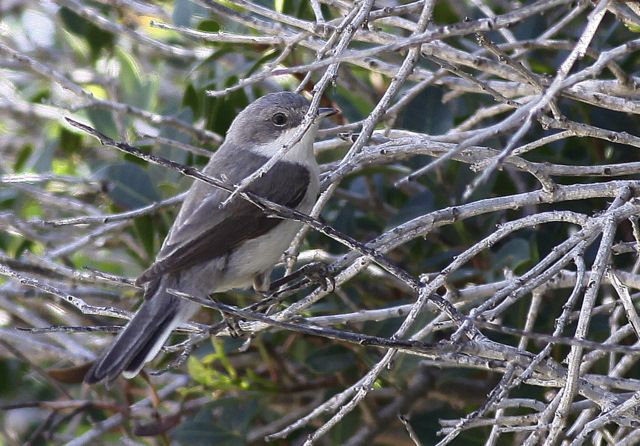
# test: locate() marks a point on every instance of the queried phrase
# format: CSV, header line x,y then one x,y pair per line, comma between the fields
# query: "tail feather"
x,y
139,341
152,348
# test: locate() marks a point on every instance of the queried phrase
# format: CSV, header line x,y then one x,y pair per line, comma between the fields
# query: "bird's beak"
x,y
323,112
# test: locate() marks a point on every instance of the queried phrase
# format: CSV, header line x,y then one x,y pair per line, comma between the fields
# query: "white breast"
x,y
262,253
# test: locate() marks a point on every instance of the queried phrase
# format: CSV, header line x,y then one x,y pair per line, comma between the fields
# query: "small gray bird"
x,y
209,249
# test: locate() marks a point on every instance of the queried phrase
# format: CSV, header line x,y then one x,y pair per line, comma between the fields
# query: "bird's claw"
x,y
235,331
316,272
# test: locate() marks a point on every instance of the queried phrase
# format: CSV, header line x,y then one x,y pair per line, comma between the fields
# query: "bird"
x,y
212,248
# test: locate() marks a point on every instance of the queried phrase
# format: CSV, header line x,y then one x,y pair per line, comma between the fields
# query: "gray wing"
x,y
208,232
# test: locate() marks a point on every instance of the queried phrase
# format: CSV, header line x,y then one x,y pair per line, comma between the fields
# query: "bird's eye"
x,y
279,119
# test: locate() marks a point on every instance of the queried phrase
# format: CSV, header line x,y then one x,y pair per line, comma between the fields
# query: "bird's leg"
x,y
232,324
262,286
311,272
320,273
315,272
235,331
262,283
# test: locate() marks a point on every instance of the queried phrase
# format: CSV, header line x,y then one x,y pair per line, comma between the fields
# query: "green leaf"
x,y
417,115
103,121
632,26
199,371
128,185
41,96
23,156
270,54
191,99
10,376
208,67
224,422
146,234
24,245
43,157
352,105
209,26
444,13
95,37
183,11
219,112
69,142
347,428
419,204
136,90
331,359
512,254
166,151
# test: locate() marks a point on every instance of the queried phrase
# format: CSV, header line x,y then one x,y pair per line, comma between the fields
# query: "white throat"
x,y
300,153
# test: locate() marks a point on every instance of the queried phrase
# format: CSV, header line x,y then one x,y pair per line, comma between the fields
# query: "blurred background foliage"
x,y
233,392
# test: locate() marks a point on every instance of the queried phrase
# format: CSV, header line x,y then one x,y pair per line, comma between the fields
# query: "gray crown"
x,y
255,124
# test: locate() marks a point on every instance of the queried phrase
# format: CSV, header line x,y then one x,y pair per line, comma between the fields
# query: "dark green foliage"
x,y
97,38
128,185
223,422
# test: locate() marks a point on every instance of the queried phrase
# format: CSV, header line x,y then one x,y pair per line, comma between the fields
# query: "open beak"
x,y
323,112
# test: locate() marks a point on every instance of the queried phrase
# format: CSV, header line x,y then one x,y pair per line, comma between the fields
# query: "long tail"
x,y
140,341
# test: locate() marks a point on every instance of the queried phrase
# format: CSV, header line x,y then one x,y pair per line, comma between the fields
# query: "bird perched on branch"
x,y
211,248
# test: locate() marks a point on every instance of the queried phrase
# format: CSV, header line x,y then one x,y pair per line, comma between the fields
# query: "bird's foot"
x,y
322,276
233,325
315,272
